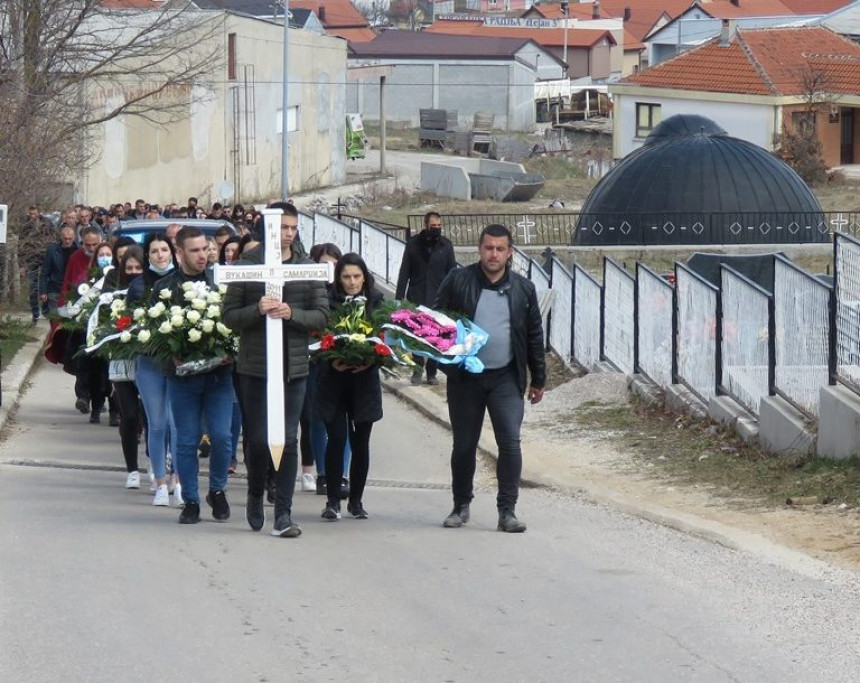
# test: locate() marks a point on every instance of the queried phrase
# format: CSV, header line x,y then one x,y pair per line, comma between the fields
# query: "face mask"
x,y
104,261
160,271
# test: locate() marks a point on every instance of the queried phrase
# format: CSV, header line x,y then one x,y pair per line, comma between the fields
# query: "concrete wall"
x,y
502,88
193,156
747,121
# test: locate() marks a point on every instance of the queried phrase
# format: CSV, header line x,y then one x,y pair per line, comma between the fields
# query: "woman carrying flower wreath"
x,y
150,379
349,396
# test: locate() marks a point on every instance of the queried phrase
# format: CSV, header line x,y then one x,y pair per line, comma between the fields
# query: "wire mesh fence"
x,y
654,306
801,335
745,344
696,342
618,316
587,298
847,293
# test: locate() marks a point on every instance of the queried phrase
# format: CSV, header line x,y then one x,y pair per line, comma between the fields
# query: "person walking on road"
x,y
192,397
505,305
427,259
302,308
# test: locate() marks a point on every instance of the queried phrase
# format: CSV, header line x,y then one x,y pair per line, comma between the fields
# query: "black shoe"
x,y
95,417
190,513
356,510
509,523
82,405
321,487
416,376
220,506
286,528
459,516
344,489
114,419
432,381
255,512
331,511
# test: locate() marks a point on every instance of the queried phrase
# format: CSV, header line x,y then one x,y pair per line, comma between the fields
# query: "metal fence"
x,y
697,332
619,316
587,325
847,293
328,229
654,325
746,353
802,335
651,228
382,251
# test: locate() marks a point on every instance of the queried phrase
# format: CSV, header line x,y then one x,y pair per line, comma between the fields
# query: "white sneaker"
x,y
162,497
177,495
133,480
309,483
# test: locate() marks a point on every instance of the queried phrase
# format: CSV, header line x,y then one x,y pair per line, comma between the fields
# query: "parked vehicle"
x,y
139,229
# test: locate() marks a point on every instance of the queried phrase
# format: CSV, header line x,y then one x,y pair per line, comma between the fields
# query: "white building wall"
x,y
748,121
193,156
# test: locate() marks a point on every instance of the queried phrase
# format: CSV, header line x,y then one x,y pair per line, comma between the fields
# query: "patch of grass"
x,y
14,334
689,451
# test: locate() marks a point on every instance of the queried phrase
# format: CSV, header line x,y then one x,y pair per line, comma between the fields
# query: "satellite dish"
x,y
225,189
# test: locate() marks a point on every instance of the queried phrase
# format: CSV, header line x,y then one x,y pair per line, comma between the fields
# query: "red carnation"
x,y
381,350
327,342
124,322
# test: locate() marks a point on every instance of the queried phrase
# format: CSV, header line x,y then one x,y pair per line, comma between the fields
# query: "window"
x,y
292,119
647,117
803,122
231,56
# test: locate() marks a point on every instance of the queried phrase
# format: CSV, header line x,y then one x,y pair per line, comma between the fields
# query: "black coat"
x,y
359,393
460,293
425,264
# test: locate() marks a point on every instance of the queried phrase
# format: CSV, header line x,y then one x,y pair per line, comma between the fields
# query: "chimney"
x,y
627,13
595,10
727,33
321,14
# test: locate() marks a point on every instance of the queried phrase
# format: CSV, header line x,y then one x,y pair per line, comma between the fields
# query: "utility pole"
x,y
564,10
285,159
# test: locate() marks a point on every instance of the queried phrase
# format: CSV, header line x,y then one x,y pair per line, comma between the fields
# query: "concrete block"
x,y
727,411
782,428
681,400
446,181
644,388
838,423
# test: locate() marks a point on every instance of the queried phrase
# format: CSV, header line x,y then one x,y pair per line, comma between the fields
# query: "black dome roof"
x,y
692,183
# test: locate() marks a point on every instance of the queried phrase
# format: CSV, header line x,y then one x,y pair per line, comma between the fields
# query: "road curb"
x,y
434,407
14,377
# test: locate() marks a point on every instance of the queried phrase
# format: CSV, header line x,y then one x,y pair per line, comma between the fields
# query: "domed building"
x,y
691,183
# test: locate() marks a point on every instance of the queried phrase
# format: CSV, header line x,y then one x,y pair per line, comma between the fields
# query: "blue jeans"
x,y
33,286
160,428
469,396
191,398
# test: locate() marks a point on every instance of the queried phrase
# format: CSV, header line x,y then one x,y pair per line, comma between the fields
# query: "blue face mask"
x,y
104,261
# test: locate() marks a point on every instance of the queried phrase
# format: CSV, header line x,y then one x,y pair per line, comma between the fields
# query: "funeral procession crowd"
x,y
167,347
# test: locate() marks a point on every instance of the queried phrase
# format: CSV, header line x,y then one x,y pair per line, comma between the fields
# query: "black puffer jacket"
x,y
460,293
359,393
309,304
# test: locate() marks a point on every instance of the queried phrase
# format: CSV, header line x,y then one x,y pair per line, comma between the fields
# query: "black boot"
x,y
509,523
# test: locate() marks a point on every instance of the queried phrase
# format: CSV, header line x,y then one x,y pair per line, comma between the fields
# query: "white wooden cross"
x,y
274,274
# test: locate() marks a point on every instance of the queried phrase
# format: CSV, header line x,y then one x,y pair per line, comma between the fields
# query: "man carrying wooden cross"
x,y
250,301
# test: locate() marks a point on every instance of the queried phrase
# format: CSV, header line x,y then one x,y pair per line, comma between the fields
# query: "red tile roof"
x,y
644,14
575,11
773,61
815,6
548,37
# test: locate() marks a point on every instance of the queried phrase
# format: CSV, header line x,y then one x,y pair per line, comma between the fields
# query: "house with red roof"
x,y
755,83
702,20
589,51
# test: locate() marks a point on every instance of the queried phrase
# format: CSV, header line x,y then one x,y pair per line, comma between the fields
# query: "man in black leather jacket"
x,y
505,305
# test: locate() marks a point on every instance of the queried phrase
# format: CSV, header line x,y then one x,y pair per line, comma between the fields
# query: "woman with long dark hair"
x,y
349,397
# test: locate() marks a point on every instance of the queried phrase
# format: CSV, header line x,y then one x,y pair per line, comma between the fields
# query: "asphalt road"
x,y
97,585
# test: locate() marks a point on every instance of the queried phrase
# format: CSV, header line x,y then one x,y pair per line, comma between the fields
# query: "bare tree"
x,y
69,66
406,13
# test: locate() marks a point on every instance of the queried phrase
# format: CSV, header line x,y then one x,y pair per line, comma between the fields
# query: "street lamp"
x,y
284,106
564,9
